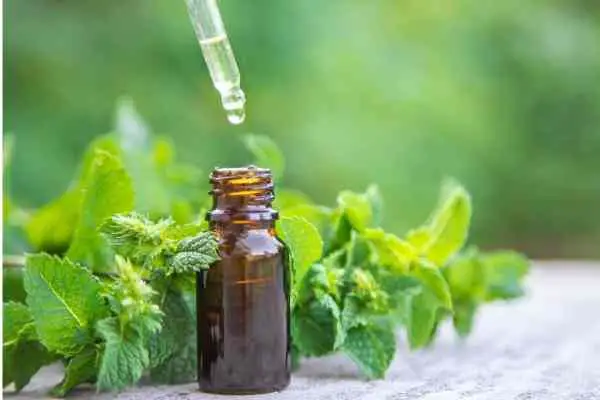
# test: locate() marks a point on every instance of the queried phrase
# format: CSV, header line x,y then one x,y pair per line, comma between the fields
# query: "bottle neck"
x,y
242,197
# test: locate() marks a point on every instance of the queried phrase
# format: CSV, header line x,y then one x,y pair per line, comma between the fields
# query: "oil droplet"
x,y
233,100
236,116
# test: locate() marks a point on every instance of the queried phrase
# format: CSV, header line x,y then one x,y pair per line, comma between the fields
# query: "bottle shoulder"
x,y
252,242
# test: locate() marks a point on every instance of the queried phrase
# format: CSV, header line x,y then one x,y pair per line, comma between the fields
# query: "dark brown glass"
x,y
243,299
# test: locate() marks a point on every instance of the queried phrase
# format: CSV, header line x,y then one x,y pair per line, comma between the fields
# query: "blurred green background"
x,y
504,96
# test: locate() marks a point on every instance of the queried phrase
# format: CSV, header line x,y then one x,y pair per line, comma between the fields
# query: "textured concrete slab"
x,y
545,346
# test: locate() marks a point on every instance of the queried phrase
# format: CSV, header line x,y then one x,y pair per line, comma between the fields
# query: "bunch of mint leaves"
x,y
107,285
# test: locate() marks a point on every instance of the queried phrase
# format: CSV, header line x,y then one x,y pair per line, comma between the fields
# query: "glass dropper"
x,y
218,55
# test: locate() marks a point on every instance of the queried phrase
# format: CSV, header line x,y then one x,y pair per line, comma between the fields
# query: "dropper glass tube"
x,y
218,55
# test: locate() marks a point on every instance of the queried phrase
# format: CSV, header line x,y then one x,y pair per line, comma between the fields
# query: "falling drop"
x,y
233,100
236,116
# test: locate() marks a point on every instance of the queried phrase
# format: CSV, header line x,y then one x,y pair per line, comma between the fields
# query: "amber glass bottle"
x,y
243,299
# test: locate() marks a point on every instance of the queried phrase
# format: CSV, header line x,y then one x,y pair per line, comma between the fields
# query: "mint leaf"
x,y
23,361
320,280
304,243
82,368
367,291
448,226
266,153
372,347
433,280
22,355
467,277
288,198
389,250
160,246
419,238
131,298
421,319
173,351
177,328
12,285
18,322
194,254
464,316
357,208
427,307
107,191
124,358
339,233
504,271
65,302
316,326
181,367
51,227
373,195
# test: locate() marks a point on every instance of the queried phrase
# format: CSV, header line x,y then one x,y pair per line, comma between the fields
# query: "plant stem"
x,y
13,261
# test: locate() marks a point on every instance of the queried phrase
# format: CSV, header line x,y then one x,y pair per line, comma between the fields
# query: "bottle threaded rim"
x,y
242,193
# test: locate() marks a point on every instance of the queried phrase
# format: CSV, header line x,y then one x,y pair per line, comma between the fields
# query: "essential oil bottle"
x,y
243,299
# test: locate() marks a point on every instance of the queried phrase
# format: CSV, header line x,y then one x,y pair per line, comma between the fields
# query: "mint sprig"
x,y
110,291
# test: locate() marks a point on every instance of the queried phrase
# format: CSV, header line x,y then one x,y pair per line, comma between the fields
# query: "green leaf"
x,y
319,280
22,361
372,347
433,280
358,209
419,238
375,198
429,306
65,302
82,368
124,358
130,127
353,314
51,227
132,299
107,191
303,241
266,153
389,250
448,226
179,368
316,327
18,322
463,317
319,216
367,291
288,198
175,348
504,271
340,232
422,318
194,254
177,328
23,356
467,277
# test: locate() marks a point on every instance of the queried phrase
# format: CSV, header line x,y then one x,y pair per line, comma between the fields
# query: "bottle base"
x,y
244,391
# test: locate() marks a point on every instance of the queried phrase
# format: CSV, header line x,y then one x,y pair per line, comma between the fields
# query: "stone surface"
x,y
544,346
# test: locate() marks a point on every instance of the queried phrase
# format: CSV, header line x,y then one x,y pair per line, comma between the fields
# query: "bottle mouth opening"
x,y
244,193
247,181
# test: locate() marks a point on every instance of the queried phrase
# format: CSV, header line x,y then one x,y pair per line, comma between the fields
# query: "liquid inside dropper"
x,y
225,76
